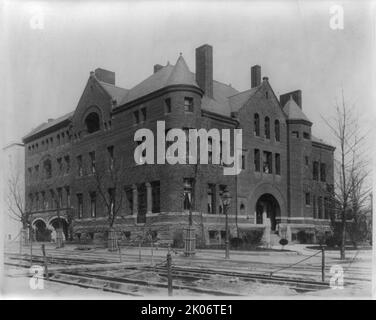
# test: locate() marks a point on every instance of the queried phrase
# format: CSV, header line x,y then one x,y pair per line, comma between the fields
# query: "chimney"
x,y
105,76
296,95
157,67
255,76
204,69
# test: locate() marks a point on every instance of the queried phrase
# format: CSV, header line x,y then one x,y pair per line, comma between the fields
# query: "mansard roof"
x,y
293,111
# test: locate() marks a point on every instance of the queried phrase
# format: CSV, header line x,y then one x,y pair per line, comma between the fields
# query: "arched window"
x,y
267,128
257,124
92,122
277,131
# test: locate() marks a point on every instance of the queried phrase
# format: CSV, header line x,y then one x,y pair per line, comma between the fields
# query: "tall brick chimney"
x,y
204,69
255,76
105,75
296,95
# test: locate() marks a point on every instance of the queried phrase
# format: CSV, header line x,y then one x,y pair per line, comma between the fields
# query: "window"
x,y
92,122
242,209
52,198
80,207
267,128
58,139
188,194
129,196
60,165
110,151
314,206
267,162
277,163
306,135
256,120
60,197
47,168
277,134
211,198
326,208
322,172
79,166
67,164
44,200
142,200
168,105
295,134
67,191
315,170
93,204
92,159
210,150
31,205
37,201
188,104
266,94
306,160
243,161
156,196
307,199
319,205
257,160
29,170
136,117
222,189
143,114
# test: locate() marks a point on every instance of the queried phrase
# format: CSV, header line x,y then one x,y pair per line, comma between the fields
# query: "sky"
x,y
48,49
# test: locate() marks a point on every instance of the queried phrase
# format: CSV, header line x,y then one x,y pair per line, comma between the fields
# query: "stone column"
x,y
135,200
148,198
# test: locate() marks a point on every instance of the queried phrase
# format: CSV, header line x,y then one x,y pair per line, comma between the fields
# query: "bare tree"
x,y
19,209
109,182
351,167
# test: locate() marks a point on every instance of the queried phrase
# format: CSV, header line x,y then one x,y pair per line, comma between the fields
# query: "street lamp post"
x,y
226,200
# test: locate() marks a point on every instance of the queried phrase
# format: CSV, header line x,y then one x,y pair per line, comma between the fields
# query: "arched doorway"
x,y
41,231
55,223
269,204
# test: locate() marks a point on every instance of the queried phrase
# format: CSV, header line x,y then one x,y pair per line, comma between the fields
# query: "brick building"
x,y
287,173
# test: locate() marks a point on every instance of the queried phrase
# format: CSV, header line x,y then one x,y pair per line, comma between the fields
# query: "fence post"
x,y
169,273
45,262
322,264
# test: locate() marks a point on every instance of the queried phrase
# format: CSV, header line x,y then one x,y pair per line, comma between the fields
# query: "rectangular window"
x,y
79,166
37,201
188,104
67,191
92,159
267,162
222,189
136,117
30,173
322,172
168,105
188,194
80,205
36,171
93,204
307,199
211,198
143,114
278,164
306,135
44,200
243,161
314,207
306,160
60,197
60,165
47,168
315,169
156,196
257,160
129,196
67,164
295,134
326,208
319,205
110,151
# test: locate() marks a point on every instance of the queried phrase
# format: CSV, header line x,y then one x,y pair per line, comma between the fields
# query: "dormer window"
x,y
92,122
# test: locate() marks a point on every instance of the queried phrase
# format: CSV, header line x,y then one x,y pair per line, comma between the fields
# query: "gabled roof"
x,y
293,111
49,124
115,92
239,99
